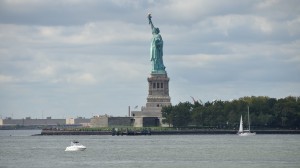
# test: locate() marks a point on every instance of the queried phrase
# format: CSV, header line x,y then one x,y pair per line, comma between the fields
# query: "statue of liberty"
x,y
156,50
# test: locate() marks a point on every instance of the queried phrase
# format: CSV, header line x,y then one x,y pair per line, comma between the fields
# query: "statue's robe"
x,y
156,53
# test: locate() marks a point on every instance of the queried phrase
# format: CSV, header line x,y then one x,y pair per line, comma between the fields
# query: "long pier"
x,y
160,132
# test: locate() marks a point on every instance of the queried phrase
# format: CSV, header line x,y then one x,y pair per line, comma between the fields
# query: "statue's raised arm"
x,y
150,21
156,50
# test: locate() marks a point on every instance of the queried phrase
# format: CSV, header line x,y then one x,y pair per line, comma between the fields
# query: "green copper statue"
x,y
156,50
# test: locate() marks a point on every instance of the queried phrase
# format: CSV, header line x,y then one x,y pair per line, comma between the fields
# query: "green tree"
x,y
182,114
167,115
264,112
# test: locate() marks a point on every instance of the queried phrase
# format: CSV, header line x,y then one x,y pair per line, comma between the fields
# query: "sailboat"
x,y
243,132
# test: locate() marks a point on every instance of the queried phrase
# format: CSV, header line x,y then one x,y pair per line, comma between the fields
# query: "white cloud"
x,y
267,4
48,70
293,27
84,78
263,25
6,79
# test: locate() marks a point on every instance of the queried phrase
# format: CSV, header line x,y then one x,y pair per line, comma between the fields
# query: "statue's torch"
x,y
149,17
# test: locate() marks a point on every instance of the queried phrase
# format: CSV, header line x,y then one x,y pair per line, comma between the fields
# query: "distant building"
x,y
78,121
32,122
109,121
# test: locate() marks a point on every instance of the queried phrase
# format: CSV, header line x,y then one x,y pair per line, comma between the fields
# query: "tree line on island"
x,y
265,113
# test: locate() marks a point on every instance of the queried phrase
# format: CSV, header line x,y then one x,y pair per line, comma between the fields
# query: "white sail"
x,y
241,125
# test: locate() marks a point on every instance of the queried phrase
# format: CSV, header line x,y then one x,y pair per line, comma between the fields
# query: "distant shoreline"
x,y
162,132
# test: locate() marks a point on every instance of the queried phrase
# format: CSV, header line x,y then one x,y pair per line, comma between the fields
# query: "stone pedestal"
x,y
158,97
158,92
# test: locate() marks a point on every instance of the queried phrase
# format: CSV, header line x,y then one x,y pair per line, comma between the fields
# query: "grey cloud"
x,y
53,51
67,12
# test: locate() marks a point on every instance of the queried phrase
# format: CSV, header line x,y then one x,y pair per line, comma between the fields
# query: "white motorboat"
x,y
75,146
243,132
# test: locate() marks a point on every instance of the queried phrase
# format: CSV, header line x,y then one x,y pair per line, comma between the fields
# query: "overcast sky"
x,y
69,58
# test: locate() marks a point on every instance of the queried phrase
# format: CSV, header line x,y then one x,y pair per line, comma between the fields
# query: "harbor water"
x,y
19,149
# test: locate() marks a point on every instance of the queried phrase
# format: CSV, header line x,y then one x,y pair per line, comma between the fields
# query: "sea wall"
x,y
159,132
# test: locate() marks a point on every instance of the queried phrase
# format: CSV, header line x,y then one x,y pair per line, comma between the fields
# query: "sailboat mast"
x,y
248,119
